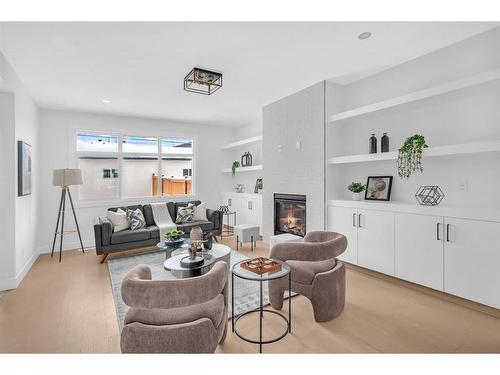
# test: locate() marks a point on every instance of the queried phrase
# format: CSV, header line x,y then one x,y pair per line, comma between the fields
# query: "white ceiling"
x,y
141,66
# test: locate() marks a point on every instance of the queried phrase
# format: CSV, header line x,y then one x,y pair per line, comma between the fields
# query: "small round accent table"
x,y
173,264
242,273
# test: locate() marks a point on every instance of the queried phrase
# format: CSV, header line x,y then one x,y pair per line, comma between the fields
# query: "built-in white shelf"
x,y
419,95
244,169
460,149
242,142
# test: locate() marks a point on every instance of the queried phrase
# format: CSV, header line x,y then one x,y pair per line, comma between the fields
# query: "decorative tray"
x,y
261,265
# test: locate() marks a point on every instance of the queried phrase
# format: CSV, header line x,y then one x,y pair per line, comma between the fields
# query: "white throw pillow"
x,y
200,212
119,220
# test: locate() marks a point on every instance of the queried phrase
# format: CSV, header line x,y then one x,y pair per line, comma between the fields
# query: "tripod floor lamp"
x,y
65,178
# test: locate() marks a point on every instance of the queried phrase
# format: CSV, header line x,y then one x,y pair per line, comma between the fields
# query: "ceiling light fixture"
x,y
364,35
106,101
202,81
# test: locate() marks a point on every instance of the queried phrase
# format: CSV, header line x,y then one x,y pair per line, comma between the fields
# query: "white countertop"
x,y
463,212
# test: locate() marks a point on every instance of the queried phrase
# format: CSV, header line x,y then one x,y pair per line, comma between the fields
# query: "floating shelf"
x,y
242,142
460,149
418,95
244,169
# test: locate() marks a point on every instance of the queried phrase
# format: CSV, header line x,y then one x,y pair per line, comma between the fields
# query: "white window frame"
x,y
120,155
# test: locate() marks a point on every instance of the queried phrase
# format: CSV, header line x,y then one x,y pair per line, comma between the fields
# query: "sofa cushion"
x,y
154,231
130,235
185,214
136,219
184,204
119,220
205,226
148,215
172,210
304,272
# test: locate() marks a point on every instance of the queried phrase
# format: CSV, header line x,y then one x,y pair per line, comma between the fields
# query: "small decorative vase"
x,y
192,250
356,196
384,143
373,144
196,234
208,240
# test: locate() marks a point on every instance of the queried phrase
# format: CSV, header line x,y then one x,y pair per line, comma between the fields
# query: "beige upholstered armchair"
x,y
175,316
316,273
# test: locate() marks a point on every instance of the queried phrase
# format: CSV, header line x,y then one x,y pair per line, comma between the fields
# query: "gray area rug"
x,y
246,292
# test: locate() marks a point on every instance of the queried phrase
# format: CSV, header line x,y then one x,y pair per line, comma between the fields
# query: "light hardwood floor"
x,y
69,307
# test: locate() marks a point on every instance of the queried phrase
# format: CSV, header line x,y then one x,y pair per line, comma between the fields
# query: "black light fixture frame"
x,y
212,87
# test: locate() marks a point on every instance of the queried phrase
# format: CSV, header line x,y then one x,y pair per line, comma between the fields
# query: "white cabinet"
x,y
376,240
419,249
456,255
370,237
248,207
472,260
343,220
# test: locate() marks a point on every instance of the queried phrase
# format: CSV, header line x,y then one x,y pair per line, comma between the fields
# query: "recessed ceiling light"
x,y
106,101
364,35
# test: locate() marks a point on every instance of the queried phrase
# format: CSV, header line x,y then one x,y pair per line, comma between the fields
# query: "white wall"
x,y
298,117
19,121
57,130
467,115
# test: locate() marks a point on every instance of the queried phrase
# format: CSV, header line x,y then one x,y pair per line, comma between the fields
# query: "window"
x,y
123,166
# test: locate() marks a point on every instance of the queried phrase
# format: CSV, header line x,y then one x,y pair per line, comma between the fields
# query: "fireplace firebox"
x,y
290,214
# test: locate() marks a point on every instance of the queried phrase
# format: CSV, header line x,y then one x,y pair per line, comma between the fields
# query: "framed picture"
x,y
23,168
378,188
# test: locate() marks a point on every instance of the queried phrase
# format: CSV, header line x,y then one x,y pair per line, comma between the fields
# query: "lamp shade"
x,y
67,177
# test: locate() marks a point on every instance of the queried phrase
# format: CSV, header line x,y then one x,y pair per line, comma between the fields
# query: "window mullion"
x,y
160,166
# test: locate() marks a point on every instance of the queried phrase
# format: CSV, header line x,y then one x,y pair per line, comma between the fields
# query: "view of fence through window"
x,y
121,166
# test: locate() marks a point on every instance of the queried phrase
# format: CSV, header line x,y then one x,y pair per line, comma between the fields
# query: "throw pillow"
x,y
200,212
185,214
119,220
136,219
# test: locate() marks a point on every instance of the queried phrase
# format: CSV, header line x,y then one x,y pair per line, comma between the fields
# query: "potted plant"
x,y
356,188
174,235
236,164
410,156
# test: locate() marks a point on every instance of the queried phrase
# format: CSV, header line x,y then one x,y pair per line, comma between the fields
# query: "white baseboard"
x,y
21,274
8,283
74,245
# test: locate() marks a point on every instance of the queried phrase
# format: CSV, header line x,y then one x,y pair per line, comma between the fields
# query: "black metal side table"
x,y
242,273
228,231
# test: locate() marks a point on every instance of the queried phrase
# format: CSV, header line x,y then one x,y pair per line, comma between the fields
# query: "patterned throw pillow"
x,y
136,219
185,214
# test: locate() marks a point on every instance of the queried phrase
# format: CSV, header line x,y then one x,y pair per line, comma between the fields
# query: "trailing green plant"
x,y
410,156
356,187
236,164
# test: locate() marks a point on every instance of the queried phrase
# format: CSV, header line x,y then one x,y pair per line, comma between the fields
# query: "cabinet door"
x,y
376,240
343,220
472,260
419,249
252,213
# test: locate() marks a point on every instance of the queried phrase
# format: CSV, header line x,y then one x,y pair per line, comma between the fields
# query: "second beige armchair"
x,y
316,273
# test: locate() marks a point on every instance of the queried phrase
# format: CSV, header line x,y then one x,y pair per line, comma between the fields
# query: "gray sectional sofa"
x,y
107,241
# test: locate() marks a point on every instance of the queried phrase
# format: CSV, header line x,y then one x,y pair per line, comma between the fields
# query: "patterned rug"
x,y
246,296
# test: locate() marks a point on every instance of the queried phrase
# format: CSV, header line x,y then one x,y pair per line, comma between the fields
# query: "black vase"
x,y
209,239
384,143
246,159
373,144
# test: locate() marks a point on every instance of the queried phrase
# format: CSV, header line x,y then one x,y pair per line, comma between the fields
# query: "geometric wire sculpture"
x,y
429,195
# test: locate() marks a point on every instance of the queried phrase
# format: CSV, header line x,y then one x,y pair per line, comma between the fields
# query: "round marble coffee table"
x,y
219,252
